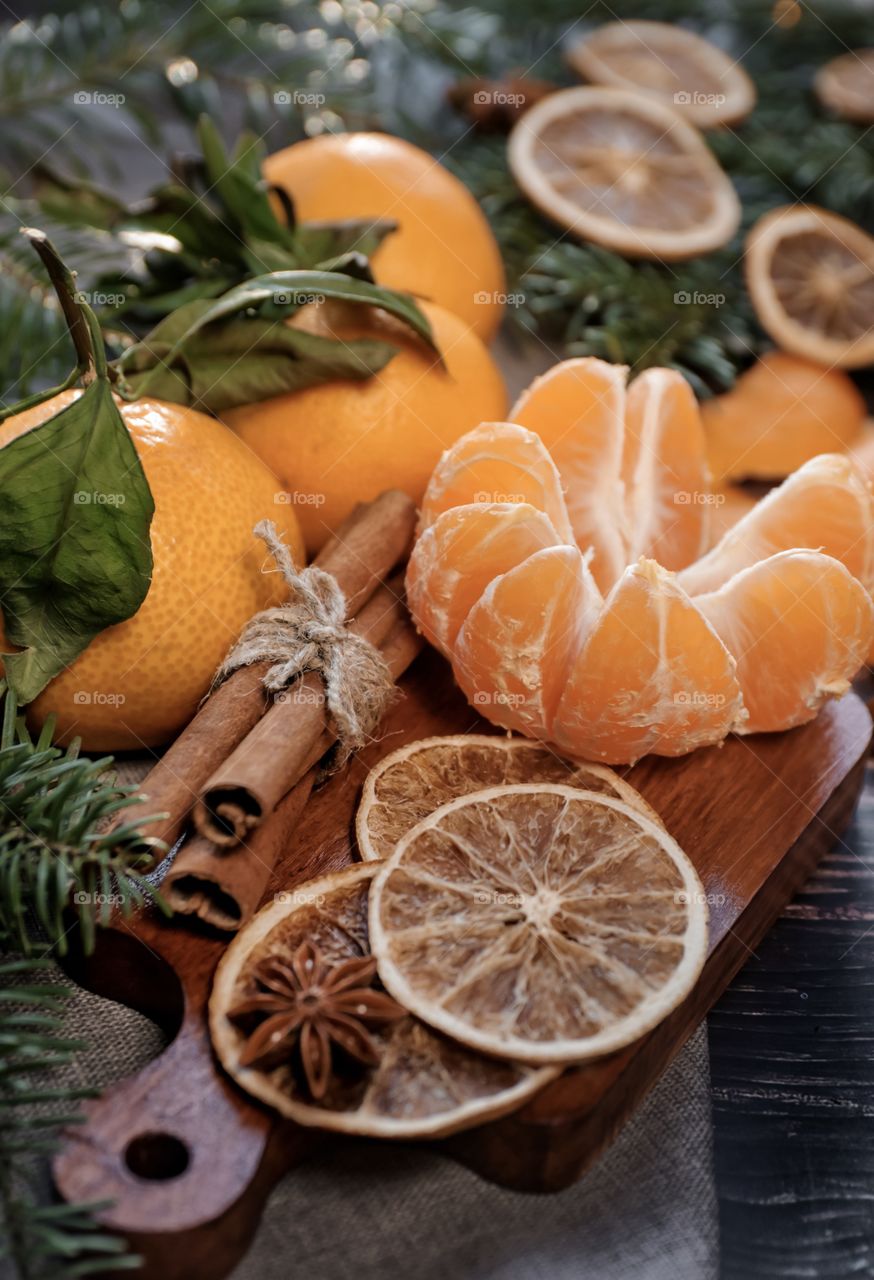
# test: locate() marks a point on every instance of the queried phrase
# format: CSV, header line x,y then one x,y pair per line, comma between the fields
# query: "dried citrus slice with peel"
x,y
770,617
675,66
497,462
539,923
413,781
846,85
652,676
423,1084
624,171
480,541
825,505
810,274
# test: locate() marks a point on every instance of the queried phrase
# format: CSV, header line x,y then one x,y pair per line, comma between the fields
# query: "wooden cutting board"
x,y
188,1160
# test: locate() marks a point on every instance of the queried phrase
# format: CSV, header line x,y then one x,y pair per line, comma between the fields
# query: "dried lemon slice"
x,y
810,274
675,66
539,923
423,1085
846,85
420,777
624,171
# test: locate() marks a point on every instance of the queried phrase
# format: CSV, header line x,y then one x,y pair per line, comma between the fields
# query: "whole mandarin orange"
x,y
443,250
345,441
139,682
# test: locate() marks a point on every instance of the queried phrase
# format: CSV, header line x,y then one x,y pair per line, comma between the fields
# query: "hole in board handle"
x,y
156,1157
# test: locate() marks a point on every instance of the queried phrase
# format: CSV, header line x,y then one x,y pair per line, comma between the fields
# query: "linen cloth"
x,y
366,1211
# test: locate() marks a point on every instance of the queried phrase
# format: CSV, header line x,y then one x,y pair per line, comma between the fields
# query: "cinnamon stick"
x,y
224,886
374,538
284,743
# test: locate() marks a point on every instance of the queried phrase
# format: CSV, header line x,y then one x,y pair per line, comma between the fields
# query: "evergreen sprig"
x,y
58,866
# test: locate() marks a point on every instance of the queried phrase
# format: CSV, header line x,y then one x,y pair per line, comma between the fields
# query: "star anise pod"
x,y
310,1005
496,105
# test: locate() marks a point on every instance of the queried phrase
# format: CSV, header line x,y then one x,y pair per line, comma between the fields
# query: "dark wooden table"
x,y
792,1067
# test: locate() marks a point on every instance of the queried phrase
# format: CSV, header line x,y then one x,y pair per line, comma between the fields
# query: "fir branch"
x,y
56,858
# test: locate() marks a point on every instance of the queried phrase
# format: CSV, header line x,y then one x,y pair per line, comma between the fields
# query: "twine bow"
x,y
310,634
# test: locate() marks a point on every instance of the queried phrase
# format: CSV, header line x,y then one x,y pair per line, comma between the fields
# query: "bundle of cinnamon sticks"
x,y
241,772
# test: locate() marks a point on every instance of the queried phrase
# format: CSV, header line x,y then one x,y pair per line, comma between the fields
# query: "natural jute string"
x,y
309,634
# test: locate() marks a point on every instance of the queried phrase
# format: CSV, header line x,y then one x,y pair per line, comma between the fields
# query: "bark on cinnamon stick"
x,y
284,743
224,886
371,541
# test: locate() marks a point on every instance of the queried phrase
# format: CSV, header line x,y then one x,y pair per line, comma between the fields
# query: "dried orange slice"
x,y
539,923
416,779
825,505
787,668
624,171
846,85
423,1084
810,274
670,64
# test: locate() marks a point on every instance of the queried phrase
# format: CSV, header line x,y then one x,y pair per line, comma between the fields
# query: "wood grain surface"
x,y
792,1071
188,1160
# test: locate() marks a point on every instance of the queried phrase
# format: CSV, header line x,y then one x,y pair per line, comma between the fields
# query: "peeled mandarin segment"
x,y
653,677
624,171
781,412
539,922
577,409
810,274
417,779
457,557
676,66
514,651
799,626
823,505
667,483
497,462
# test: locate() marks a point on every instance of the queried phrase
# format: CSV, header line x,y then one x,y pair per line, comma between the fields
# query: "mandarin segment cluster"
x,y
625,639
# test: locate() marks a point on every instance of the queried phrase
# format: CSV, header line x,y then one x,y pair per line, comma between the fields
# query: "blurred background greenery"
x,y
108,94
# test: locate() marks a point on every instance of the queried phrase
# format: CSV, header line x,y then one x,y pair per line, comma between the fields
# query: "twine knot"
x,y
309,633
